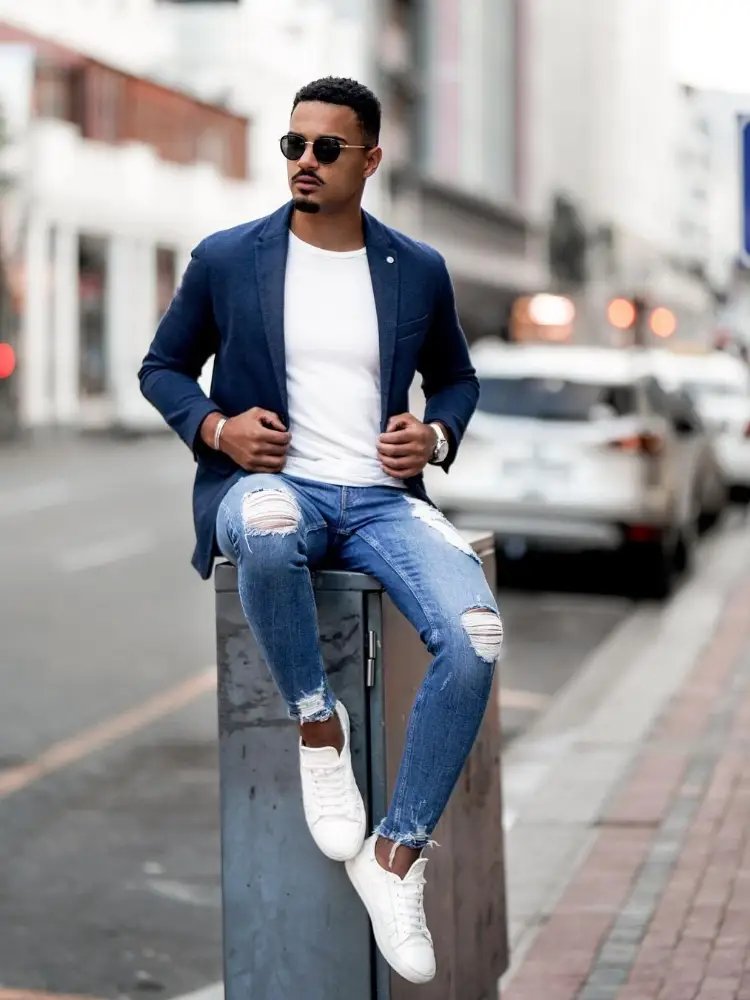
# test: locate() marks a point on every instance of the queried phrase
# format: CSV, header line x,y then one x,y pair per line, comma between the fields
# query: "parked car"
x,y
579,448
719,385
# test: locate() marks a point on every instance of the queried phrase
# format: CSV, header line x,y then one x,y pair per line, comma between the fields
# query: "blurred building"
x,y
451,75
606,131
714,117
111,179
448,75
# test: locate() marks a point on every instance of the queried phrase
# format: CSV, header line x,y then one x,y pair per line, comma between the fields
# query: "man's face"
x,y
320,187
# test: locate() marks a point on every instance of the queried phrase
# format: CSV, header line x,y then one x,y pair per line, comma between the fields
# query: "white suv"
x,y
577,448
719,386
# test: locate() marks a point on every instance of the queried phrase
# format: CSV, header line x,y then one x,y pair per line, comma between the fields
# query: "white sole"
x,y
408,975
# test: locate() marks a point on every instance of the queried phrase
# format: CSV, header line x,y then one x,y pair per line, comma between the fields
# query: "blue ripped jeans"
x,y
276,528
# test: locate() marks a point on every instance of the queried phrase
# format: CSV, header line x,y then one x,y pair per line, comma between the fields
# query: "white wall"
x,y
257,55
124,32
602,109
135,200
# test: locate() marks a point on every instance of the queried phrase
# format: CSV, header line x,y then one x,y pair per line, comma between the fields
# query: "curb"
x,y
560,775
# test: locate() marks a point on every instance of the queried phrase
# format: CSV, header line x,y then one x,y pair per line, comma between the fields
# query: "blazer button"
x,y
389,260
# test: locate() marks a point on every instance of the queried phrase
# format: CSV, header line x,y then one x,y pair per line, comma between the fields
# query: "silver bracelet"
x,y
217,432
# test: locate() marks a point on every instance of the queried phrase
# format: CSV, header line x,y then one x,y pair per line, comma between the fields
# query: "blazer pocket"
x,y
412,327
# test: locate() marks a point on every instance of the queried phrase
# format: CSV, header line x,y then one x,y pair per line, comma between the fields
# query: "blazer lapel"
x,y
270,263
383,262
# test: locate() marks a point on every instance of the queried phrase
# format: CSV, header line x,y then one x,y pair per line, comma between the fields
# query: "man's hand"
x,y
256,439
406,447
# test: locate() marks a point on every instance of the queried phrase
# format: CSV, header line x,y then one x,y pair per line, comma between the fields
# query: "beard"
x,y
309,207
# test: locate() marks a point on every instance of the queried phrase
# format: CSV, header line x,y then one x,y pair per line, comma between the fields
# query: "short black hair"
x,y
350,94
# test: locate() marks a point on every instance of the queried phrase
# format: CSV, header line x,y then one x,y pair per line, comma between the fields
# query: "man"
x,y
319,316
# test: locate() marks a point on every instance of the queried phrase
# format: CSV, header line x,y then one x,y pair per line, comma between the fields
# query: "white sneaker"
x,y
334,809
396,908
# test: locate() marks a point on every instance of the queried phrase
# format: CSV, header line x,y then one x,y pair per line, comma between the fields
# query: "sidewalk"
x,y
636,883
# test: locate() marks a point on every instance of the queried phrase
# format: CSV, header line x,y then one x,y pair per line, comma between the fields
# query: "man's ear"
x,y
374,156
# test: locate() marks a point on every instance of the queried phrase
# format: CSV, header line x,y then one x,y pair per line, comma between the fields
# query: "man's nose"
x,y
307,161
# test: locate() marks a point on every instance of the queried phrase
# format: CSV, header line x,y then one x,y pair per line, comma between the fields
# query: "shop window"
x,y
166,279
92,296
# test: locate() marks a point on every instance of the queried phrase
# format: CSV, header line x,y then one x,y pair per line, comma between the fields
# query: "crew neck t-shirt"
x,y
333,367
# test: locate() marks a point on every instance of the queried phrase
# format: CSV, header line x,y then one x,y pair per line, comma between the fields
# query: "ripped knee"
x,y
270,512
436,520
484,628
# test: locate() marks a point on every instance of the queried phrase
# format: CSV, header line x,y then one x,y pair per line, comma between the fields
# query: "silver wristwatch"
x,y
442,447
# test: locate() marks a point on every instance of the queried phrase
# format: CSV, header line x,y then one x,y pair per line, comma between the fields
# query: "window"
x,y
92,294
555,399
166,279
58,93
657,398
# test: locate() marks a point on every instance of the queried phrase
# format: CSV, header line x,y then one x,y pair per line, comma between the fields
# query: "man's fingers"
x,y
271,451
399,420
265,434
401,473
399,437
401,465
270,419
396,450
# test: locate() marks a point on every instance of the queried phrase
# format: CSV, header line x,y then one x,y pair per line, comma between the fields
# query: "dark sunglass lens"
x,y
292,146
326,150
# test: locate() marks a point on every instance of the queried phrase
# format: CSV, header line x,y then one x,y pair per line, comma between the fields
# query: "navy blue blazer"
x,y
231,304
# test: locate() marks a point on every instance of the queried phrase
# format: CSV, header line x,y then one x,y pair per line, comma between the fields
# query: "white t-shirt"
x,y
333,367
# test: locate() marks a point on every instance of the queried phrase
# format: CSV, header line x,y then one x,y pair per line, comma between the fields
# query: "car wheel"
x,y
684,551
708,519
652,569
711,515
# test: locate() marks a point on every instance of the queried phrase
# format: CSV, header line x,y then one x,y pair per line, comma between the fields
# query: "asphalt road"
x,y
108,784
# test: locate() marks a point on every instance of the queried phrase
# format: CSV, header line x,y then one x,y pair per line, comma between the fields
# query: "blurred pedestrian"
x,y
318,316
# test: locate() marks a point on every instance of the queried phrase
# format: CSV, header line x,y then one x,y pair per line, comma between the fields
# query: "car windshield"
x,y
728,390
554,398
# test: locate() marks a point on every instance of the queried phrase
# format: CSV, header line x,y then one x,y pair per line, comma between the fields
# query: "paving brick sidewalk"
x,y
660,907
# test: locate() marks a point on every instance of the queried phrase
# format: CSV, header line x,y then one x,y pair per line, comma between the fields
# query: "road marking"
x,y
30,499
215,991
102,735
104,553
531,700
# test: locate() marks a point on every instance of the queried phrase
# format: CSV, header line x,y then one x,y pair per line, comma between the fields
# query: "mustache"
x,y
307,173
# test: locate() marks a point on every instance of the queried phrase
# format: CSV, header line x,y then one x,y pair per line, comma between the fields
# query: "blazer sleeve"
x,y
449,380
185,338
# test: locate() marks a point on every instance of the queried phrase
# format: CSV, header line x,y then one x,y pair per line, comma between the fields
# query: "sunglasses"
x,y
326,148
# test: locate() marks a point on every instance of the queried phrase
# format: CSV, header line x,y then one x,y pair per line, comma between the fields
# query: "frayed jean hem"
x,y
417,840
316,707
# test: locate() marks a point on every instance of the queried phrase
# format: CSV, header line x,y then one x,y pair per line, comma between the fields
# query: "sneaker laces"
x,y
332,794
409,898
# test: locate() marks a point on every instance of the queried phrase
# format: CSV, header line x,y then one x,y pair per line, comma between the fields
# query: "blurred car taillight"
x,y
642,533
7,360
639,444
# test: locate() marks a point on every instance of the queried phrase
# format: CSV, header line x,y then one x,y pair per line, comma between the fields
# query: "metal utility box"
x,y
293,925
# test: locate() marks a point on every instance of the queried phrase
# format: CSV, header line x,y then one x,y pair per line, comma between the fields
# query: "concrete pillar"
x,y
132,321
65,324
35,326
123,293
